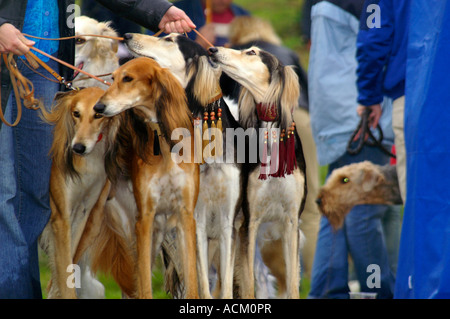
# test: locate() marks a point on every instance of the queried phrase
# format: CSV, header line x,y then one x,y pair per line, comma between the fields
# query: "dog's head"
x,y
187,60
348,186
94,54
77,127
146,87
264,80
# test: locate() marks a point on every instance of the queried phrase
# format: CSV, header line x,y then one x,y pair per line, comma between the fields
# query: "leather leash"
x,y
365,131
24,89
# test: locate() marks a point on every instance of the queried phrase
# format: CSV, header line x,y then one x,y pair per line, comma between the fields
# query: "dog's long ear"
x,y
206,80
171,106
289,95
63,131
247,109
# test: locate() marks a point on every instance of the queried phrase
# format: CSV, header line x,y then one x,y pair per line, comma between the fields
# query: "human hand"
x,y
176,20
373,119
374,116
12,40
208,32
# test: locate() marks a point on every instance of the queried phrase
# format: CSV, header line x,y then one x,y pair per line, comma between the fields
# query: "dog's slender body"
x,y
220,193
165,191
78,185
94,55
271,206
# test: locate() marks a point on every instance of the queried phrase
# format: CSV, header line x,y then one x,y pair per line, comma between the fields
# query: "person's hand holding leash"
x,y
176,20
374,117
12,40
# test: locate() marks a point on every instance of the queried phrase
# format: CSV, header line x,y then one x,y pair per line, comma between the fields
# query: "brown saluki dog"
x,y
78,183
165,190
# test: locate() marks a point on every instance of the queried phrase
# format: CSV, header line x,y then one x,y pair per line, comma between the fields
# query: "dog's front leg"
x,y
144,234
226,252
202,246
187,241
290,239
245,262
92,227
60,255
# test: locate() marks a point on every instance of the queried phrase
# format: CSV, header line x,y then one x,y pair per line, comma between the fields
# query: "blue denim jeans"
x,y
363,237
24,190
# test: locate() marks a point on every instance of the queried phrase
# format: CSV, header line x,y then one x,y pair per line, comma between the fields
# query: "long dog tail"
x,y
112,252
173,280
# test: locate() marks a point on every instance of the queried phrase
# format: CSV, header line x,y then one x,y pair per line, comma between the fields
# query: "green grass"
x,y
112,290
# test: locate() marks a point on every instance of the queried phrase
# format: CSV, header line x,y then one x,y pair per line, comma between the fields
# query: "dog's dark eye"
x,y
345,180
251,52
127,79
168,39
76,114
80,40
98,116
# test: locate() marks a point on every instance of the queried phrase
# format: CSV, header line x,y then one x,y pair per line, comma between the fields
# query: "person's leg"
x,y
329,275
24,196
367,246
398,110
392,225
15,279
366,238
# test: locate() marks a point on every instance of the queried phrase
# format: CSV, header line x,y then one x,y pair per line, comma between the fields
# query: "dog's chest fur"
x,y
219,188
275,199
166,190
83,192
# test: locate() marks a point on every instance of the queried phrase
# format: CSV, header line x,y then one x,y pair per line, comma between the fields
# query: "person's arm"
x,y
152,14
373,49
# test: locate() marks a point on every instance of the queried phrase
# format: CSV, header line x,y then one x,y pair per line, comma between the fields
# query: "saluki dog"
x,y
273,199
95,55
220,194
165,190
79,188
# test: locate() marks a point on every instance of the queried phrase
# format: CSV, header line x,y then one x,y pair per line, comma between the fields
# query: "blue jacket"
x,y
332,82
381,52
194,10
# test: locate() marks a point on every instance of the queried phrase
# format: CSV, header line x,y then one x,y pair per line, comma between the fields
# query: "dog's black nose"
x,y
319,201
99,107
213,50
79,148
127,36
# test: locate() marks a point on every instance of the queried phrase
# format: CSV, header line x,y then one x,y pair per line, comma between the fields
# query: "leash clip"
x,y
68,85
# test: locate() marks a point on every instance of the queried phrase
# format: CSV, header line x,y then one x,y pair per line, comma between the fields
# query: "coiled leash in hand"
x,y
365,131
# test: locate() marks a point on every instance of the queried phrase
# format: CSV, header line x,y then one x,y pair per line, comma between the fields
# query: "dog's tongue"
x,y
79,66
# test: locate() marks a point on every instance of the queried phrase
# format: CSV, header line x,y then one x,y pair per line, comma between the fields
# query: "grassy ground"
x,y
285,17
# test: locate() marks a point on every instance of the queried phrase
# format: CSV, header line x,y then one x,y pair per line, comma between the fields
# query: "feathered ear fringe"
x,y
171,106
284,90
289,96
63,131
247,109
206,81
